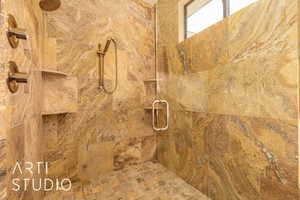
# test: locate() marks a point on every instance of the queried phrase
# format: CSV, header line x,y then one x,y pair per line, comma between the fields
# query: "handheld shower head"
x,y
50,5
107,46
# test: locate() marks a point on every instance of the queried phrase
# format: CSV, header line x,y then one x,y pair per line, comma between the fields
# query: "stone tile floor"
x,y
148,181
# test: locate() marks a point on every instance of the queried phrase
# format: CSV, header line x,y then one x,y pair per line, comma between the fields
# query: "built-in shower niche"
x,y
60,90
60,93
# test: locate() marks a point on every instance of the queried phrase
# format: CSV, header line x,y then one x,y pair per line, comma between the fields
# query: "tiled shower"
x,y
231,90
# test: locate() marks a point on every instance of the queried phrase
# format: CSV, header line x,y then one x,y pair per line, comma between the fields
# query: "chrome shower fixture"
x,y
50,5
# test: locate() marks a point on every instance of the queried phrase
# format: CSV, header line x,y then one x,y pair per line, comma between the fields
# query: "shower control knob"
x,y
15,77
14,33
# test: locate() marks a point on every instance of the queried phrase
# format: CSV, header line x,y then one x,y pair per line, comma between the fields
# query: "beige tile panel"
x,y
232,157
60,94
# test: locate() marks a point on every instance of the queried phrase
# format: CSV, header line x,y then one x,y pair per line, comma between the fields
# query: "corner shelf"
x,y
151,80
49,71
57,112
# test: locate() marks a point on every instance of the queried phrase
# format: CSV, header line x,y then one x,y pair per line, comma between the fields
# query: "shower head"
x,y
107,46
50,5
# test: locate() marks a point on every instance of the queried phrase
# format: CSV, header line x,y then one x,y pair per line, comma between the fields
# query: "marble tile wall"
x,y
3,155
59,88
22,114
232,91
298,76
3,112
109,132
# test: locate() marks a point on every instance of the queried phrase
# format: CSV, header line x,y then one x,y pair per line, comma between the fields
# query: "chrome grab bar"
x,y
153,115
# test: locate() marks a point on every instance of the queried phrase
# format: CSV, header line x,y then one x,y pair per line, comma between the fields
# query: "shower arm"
x,y
107,45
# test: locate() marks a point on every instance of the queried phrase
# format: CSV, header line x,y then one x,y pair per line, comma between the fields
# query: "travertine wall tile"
x,y
3,108
24,131
49,59
62,89
148,148
95,159
127,152
103,122
232,91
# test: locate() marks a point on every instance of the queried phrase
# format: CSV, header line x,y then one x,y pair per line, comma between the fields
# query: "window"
x,y
212,12
197,15
236,5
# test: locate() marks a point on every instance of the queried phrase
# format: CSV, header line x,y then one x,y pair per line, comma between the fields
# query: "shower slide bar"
x,y
157,102
102,54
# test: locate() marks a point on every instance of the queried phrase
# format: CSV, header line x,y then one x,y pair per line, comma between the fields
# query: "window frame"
x,y
183,4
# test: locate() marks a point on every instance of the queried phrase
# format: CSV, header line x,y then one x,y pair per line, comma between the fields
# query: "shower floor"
x,y
148,181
